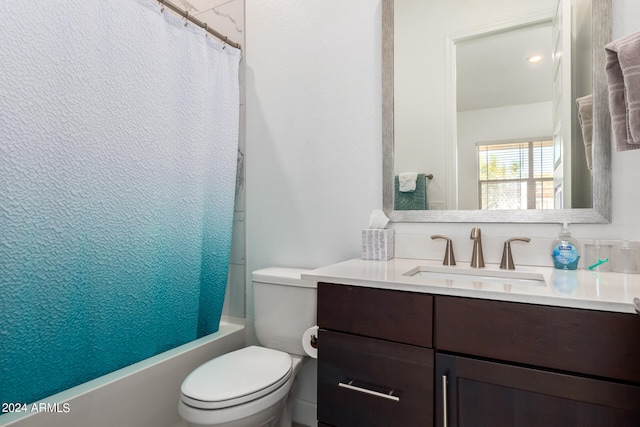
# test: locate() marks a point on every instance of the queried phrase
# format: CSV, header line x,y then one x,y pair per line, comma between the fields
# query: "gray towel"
x,y
585,115
623,77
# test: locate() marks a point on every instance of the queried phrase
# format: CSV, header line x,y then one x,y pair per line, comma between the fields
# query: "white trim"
x,y
514,141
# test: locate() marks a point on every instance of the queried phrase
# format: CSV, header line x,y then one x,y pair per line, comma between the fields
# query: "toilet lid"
x,y
237,377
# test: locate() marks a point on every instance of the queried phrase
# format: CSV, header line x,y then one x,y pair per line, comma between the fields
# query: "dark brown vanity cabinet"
x,y
375,357
393,358
510,364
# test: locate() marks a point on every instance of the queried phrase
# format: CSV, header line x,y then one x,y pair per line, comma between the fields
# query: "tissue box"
x,y
377,244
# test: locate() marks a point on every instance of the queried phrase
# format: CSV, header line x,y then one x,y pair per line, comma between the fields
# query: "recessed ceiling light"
x,y
534,58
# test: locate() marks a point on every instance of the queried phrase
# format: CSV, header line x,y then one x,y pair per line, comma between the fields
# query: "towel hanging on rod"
x,y
623,62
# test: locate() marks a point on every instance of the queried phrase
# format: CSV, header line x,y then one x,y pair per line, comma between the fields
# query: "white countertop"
x,y
605,291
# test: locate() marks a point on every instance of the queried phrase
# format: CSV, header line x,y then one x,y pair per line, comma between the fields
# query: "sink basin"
x,y
483,275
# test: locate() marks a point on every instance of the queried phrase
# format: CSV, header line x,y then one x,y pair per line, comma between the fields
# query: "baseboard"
x,y
305,413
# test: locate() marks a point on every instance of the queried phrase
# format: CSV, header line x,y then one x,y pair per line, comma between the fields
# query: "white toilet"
x,y
253,386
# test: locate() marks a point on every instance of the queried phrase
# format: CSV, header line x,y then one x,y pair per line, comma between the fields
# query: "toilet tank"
x,y
284,307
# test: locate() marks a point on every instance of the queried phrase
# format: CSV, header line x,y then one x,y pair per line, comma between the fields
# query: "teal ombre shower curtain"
x,y
118,142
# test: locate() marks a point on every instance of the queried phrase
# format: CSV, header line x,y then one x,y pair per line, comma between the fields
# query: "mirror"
x,y
431,128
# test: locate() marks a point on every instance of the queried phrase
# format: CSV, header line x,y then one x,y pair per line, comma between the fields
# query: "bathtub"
x,y
144,394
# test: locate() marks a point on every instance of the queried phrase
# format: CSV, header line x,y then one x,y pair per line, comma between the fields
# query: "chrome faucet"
x,y
477,260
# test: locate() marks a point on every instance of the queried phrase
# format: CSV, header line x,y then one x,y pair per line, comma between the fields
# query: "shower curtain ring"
x,y
186,18
224,42
162,6
206,29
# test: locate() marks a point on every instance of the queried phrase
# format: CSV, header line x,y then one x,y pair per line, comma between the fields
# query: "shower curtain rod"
x,y
199,23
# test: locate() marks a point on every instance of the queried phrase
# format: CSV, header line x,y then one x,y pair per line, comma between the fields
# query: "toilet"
x,y
254,386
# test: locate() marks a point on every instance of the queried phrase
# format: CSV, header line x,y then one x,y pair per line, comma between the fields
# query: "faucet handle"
x,y
449,259
507,258
476,233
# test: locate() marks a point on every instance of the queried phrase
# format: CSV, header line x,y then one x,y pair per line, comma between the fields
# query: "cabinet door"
x,y
471,393
366,382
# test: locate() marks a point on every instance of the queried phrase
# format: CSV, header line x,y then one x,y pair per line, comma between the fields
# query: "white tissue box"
x,y
377,244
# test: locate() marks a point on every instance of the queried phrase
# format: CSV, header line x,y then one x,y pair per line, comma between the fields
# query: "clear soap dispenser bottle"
x,y
565,252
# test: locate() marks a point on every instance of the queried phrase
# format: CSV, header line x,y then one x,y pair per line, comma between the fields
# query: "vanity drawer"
x,y
399,316
370,382
590,342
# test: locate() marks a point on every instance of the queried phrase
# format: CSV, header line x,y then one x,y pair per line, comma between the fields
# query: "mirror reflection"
x,y
484,102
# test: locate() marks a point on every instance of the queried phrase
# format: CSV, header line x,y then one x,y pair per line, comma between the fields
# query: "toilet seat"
x,y
237,377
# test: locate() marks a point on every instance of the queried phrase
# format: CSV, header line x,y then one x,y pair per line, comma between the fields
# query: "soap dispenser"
x,y
565,252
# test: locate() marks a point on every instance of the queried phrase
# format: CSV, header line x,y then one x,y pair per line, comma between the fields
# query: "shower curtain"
x,y
118,150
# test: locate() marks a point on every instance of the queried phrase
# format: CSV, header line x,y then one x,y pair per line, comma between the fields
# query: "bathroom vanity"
x,y
400,349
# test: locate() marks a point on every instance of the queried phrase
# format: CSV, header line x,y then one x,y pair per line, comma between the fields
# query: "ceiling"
x,y
493,71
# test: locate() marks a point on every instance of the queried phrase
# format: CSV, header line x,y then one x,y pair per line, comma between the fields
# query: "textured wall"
x,y
118,142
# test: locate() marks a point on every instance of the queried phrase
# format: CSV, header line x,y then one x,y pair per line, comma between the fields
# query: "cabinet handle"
x,y
350,386
444,401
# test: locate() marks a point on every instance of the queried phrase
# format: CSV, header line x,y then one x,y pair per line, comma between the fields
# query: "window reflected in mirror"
x,y
515,175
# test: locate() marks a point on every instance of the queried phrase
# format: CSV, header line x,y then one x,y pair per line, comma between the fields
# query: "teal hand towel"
x,y
412,200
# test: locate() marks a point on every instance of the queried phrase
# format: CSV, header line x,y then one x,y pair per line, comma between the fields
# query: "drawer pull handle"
x,y
389,395
444,401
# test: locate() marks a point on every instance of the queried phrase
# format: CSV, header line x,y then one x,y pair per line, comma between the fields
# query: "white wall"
x,y
313,129
314,161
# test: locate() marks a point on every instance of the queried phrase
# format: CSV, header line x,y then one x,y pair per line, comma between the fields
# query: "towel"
x,y
407,181
413,200
623,78
585,115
